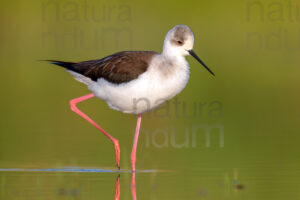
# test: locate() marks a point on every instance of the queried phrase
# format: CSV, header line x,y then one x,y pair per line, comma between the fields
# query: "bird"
x,y
136,82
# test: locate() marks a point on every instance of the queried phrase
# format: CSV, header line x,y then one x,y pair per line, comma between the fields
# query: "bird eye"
x,y
179,42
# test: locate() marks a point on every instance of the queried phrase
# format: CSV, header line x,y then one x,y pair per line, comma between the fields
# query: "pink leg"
x,y
135,141
73,103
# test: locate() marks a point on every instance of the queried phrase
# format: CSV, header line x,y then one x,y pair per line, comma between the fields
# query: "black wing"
x,y
118,68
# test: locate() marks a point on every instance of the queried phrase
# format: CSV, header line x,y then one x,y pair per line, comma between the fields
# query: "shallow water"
x,y
206,183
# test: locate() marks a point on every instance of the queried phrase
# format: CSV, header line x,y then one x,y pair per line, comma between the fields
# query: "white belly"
x,y
147,92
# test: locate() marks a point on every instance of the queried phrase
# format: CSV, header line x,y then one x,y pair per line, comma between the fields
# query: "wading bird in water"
x,y
123,78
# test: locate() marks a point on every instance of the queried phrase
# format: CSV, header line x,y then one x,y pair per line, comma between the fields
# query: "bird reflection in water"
x,y
132,187
117,195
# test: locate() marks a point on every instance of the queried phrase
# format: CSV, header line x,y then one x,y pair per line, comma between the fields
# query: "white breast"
x,y
148,91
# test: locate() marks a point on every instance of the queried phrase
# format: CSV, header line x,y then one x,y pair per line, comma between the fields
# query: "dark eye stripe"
x,y
177,42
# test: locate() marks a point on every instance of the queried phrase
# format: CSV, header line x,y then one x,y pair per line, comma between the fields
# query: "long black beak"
x,y
192,53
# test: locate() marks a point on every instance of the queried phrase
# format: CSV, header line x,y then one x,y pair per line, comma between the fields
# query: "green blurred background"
x,y
238,131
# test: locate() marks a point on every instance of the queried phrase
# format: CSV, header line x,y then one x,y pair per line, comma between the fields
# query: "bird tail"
x,y
69,66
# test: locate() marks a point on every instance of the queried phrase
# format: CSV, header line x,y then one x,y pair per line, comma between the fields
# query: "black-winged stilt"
x,y
124,78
